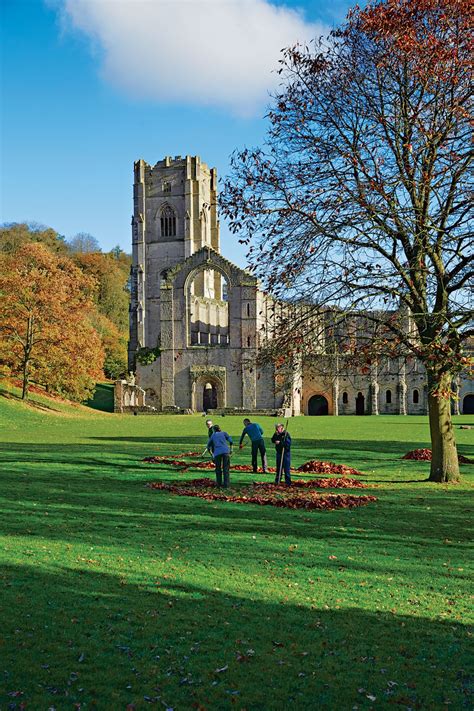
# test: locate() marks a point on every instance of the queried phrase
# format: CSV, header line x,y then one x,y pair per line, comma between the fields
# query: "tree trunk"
x,y
26,358
26,379
444,461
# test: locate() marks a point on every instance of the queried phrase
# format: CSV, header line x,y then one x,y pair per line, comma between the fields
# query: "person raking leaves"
x,y
255,433
282,441
220,446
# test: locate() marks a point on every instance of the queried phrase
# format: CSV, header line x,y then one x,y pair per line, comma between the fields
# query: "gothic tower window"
x,y
168,222
388,397
416,397
345,398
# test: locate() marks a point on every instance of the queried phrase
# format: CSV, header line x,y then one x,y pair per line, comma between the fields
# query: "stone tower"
x,y
174,215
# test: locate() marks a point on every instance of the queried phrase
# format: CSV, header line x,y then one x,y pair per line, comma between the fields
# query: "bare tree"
x,y
83,243
360,198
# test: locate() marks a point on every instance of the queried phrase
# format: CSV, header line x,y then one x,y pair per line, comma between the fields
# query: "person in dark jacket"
x,y
220,446
255,434
282,441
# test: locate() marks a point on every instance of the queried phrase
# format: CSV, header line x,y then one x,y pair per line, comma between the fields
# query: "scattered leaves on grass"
x,y
266,495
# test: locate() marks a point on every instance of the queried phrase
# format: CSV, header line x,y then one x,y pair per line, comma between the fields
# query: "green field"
x,y
115,596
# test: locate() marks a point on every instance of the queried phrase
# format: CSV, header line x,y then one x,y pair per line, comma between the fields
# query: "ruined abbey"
x,y
196,321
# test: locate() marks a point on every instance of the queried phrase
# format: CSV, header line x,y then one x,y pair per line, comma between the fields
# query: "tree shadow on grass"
x,y
74,504
330,446
93,638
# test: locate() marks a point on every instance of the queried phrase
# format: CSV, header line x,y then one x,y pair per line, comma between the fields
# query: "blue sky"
x,y
87,88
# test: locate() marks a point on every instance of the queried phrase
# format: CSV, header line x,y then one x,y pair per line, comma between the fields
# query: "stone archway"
x,y
468,404
360,404
318,405
208,391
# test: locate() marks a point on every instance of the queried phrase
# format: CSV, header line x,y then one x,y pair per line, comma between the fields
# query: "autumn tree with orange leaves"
x,y
45,322
360,199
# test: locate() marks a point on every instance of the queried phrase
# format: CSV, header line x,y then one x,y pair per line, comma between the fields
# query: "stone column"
x,y
118,395
297,387
167,347
374,392
335,396
402,388
249,386
456,387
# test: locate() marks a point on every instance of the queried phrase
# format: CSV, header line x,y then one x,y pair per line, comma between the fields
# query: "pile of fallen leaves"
x,y
316,467
311,467
294,497
166,460
424,455
330,483
248,468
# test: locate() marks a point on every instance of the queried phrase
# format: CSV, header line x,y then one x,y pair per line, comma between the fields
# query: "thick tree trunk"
x,y
444,462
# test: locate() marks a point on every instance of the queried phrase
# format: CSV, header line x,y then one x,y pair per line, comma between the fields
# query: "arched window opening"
x,y
208,309
345,398
318,405
248,309
248,341
416,397
168,222
388,397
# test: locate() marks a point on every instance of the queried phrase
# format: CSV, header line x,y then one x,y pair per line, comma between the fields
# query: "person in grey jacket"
x,y
220,446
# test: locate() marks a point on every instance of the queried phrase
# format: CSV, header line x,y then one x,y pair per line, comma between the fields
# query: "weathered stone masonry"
x,y
205,315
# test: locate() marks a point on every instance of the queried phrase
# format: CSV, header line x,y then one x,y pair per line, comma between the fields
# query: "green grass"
x,y
114,594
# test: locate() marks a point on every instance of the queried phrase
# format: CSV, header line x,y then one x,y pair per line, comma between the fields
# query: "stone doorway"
x,y
360,404
468,405
318,405
209,397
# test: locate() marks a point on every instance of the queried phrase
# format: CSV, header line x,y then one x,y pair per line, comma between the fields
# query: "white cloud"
x,y
209,52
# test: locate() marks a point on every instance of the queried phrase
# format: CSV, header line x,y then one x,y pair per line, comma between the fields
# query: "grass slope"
x,y
115,596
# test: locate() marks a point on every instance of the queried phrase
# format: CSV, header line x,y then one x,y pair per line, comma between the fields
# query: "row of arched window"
x,y
388,397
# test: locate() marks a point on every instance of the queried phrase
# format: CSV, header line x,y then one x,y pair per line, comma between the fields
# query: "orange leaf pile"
x,y
294,497
328,468
330,483
424,455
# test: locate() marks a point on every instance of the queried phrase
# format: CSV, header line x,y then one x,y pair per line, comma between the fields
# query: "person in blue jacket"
x,y
255,433
282,441
220,446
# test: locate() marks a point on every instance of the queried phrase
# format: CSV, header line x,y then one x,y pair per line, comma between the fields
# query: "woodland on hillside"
x,y
64,314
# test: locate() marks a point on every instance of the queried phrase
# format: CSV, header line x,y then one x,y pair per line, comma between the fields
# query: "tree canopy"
x,y
360,199
45,320
107,276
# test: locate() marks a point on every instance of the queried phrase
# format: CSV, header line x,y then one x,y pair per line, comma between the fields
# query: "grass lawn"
x,y
116,596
